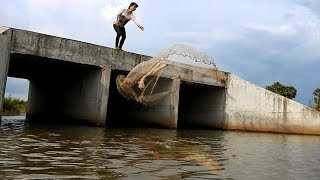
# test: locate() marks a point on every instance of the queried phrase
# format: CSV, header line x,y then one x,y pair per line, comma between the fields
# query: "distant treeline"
x,y
291,92
14,107
316,98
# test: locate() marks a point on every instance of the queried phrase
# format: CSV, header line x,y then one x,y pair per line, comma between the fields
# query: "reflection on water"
x,y
39,151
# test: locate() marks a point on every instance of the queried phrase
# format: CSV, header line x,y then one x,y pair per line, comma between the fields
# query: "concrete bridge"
x,y
73,80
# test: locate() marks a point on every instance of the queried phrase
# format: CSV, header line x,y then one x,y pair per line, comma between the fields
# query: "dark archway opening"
x,y
201,106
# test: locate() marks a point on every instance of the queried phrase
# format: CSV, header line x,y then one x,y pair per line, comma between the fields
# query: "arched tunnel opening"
x,y
201,106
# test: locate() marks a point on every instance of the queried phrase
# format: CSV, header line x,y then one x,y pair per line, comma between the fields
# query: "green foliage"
x,y
14,106
286,91
316,98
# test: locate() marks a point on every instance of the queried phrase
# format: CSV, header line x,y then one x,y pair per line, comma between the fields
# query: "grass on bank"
x,y
14,107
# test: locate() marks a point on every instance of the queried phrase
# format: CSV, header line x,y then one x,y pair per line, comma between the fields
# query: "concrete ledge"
x,y
42,45
3,29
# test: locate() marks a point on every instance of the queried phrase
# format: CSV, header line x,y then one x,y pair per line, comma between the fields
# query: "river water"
x,y
61,151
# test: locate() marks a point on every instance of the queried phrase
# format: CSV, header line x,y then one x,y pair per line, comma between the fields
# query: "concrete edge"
x,y
202,72
89,43
3,29
5,39
142,56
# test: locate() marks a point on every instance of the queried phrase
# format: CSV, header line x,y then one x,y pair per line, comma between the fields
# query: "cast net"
x,y
142,81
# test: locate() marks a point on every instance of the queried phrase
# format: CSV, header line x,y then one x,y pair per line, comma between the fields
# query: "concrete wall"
x,y
5,39
249,107
80,96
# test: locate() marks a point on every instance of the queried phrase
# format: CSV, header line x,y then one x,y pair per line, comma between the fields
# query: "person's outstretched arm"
x,y
133,18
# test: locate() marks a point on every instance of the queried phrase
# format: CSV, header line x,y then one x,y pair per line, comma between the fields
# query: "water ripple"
x,y
33,151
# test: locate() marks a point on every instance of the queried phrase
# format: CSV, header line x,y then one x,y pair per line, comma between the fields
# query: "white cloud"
x,y
313,5
181,35
277,30
112,7
205,39
77,8
291,42
82,20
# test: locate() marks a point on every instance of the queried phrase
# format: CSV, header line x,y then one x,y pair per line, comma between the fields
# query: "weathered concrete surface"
x,y
249,107
102,97
5,39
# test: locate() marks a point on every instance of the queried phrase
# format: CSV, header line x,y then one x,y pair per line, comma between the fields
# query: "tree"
x,y
316,98
286,91
14,106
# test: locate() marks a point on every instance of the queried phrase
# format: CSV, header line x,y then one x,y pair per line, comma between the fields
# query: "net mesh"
x,y
142,80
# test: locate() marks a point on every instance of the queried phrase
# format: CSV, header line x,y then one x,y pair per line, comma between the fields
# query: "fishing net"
x,y
141,82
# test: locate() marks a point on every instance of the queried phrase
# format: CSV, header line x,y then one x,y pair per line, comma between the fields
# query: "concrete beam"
x,y
26,42
195,74
250,107
5,42
42,45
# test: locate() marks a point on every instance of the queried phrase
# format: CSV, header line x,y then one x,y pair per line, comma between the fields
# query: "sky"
x,y
261,41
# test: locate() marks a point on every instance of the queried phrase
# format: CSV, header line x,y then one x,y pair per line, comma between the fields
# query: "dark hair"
x,y
133,4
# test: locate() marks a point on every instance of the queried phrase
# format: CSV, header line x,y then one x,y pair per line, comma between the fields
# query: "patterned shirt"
x,y
123,17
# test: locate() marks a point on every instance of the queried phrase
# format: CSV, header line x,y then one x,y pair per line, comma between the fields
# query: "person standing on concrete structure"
x,y
123,17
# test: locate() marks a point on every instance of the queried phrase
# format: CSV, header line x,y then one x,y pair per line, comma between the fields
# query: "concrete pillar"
x,y
103,95
5,41
163,113
175,103
81,96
